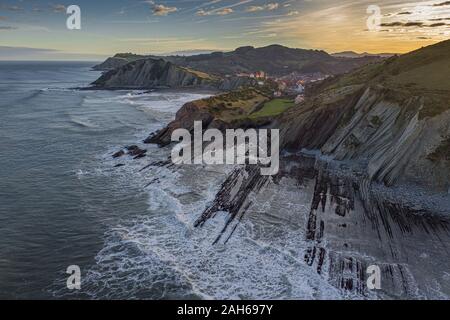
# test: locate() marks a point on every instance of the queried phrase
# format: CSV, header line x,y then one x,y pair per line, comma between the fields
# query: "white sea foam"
x,y
160,247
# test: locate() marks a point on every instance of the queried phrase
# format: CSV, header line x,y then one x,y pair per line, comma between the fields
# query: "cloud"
x,y
439,24
442,4
224,11
160,9
413,24
392,24
202,13
266,7
7,28
3,18
26,53
221,12
11,8
402,24
440,19
23,50
59,8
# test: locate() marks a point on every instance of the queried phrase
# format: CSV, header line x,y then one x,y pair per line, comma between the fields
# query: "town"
x,y
292,85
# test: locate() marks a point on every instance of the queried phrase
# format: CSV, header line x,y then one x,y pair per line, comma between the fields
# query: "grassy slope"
x,y
273,108
235,104
424,72
247,104
427,68
130,56
199,74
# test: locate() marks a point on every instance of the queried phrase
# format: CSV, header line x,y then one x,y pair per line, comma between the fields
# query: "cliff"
x,y
110,64
157,73
117,61
393,119
229,110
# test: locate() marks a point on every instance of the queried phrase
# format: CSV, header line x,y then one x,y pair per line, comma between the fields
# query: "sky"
x,y
35,29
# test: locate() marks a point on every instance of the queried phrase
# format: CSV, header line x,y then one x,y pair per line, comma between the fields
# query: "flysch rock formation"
x,y
348,225
371,163
152,73
118,61
110,64
386,136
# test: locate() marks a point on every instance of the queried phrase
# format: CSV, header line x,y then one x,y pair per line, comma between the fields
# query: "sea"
x,y
127,226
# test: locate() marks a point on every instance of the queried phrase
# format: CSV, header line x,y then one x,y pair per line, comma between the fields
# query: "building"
x,y
299,99
300,88
260,75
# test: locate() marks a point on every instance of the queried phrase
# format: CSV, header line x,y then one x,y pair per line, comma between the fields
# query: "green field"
x,y
273,108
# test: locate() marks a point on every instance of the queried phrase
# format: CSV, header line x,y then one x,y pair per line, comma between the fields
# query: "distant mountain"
x,y
275,60
189,52
352,54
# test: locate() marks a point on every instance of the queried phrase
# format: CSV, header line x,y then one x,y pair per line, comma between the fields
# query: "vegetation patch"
x,y
273,108
129,56
199,74
376,121
442,152
434,105
234,105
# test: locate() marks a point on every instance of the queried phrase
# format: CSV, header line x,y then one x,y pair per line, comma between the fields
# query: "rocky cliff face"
x,y
392,119
118,61
110,64
224,111
158,73
378,129
151,73
185,117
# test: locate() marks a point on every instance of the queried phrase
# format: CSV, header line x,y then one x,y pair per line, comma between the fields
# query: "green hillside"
x,y
424,72
427,68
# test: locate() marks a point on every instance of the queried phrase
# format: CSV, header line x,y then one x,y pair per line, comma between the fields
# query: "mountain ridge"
x,y
273,59
353,54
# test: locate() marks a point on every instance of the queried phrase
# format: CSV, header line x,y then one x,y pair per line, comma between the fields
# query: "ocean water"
x,y
64,202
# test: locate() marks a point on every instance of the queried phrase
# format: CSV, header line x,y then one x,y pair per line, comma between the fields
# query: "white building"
x,y
300,88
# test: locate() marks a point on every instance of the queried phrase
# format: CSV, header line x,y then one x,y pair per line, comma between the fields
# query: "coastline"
x,y
194,90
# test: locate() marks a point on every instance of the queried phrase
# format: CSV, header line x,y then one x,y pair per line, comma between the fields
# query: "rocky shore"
x,y
352,224
370,153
